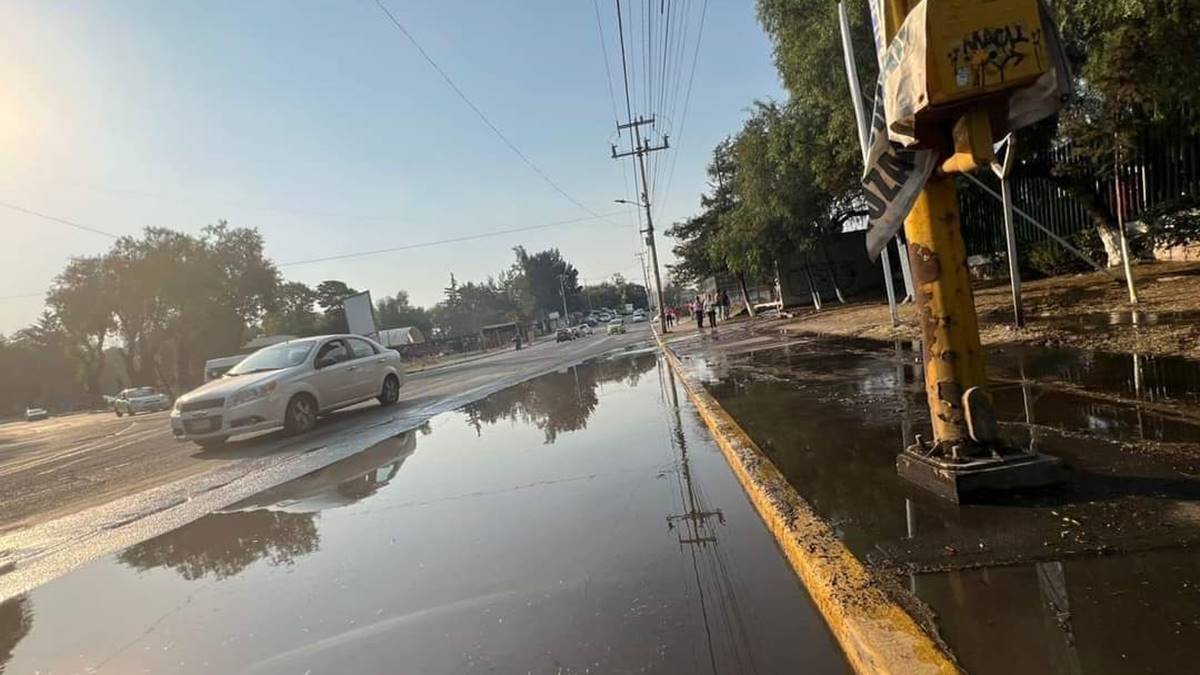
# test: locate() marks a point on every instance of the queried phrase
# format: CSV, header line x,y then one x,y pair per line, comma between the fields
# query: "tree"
x,y
291,311
396,312
81,306
330,294
543,271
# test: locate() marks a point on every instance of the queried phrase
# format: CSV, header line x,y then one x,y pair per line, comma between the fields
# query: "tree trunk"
x,y
837,288
1092,202
812,287
745,294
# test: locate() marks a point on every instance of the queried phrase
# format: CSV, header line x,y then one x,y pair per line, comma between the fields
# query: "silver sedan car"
x,y
288,385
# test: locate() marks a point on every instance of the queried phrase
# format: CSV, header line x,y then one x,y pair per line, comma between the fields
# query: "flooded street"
x,y
581,521
1088,577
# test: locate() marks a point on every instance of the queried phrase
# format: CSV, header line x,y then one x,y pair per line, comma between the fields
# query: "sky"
x,y
321,125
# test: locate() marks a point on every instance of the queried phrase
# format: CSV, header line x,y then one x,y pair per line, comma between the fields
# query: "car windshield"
x,y
140,391
275,357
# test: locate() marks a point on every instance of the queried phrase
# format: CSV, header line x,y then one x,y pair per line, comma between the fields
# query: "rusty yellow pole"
x,y
945,308
951,351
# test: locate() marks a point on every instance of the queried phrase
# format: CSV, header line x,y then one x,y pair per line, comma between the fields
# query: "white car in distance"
x,y
288,385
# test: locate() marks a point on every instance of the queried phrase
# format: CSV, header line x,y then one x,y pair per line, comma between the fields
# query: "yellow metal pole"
x,y
950,350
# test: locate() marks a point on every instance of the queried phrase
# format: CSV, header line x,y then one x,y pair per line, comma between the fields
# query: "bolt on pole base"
x,y
963,472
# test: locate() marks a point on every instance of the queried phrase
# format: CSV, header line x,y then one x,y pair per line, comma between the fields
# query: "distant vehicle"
x,y
140,400
564,334
214,368
616,326
34,414
288,385
637,317
582,330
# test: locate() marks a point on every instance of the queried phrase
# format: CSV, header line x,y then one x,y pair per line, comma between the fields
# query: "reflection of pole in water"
x,y
1052,583
697,534
1027,401
1137,391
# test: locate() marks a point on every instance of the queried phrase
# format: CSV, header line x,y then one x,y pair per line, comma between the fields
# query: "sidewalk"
x,y
1089,311
1103,571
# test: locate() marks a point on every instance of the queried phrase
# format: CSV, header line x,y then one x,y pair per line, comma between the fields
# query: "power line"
x,y
499,134
63,221
686,102
453,240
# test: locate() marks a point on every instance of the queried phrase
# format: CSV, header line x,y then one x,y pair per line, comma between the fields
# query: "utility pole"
x,y
562,292
640,150
641,256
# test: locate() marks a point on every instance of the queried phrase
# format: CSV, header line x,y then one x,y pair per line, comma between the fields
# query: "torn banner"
x,y
895,172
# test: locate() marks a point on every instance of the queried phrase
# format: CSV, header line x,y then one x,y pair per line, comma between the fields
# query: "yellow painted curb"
x,y
876,634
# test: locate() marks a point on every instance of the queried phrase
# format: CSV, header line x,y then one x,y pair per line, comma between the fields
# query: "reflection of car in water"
x,y
341,483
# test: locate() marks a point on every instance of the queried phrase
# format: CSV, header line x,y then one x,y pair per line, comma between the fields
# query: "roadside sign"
x,y
360,314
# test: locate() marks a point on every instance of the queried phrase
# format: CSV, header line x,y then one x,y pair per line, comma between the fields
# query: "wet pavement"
x,y
1100,575
582,521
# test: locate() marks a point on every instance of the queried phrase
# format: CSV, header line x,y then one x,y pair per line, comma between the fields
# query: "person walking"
x,y
710,308
698,312
724,305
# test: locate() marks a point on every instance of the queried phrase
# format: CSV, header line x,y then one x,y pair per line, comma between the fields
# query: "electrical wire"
x,y
484,118
453,240
56,219
686,103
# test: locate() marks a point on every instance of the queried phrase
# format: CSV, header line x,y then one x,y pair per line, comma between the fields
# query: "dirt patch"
x,y
1089,311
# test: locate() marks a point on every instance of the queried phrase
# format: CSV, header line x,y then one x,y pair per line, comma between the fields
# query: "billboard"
x,y
360,314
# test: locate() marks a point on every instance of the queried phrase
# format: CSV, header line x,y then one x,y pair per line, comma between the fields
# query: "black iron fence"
x,y
1164,168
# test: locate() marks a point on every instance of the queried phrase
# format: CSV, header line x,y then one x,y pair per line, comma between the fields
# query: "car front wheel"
x,y
301,414
391,390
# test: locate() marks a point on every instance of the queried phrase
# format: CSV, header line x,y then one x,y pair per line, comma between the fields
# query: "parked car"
x,y
287,385
637,317
563,335
214,368
616,326
34,414
140,400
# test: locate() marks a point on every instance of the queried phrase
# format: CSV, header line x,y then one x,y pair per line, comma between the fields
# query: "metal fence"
x,y
1165,167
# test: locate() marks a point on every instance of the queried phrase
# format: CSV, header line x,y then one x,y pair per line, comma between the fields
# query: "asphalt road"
x,y
64,466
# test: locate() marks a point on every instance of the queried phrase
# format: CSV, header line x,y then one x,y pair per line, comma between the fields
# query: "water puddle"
x,y
832,414
580,522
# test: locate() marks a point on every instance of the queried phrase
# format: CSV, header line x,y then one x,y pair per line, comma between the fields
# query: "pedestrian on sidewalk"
x,y
698,312
724,305
710,308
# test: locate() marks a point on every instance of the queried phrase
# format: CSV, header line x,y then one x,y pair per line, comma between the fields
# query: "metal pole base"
x,y
958,476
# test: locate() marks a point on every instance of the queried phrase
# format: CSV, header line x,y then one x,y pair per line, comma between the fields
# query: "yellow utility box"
x,y
952,52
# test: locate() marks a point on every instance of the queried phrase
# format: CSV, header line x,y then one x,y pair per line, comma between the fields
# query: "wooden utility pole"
x,y
640,150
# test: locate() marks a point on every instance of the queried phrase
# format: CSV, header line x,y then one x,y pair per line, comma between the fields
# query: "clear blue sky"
x,y
321,125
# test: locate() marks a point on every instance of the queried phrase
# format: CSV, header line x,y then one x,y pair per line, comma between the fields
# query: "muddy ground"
x,y
1090,311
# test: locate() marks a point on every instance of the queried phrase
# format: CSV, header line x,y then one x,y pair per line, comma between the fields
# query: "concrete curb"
x,y
876,634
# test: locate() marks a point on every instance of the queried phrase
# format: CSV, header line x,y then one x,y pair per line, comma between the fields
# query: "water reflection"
x,y
278,524
696,526
16,618
559,402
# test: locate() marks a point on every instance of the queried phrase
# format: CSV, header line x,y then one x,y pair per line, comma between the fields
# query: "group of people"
x,y
712,304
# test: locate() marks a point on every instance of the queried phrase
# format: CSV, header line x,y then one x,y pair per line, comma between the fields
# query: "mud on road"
x,y
1071,579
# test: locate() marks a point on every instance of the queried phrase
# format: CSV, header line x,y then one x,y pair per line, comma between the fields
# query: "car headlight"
x,y
252,393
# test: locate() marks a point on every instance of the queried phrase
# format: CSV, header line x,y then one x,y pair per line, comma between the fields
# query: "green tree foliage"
x,y
396,312
542,272
614,294
292,311
330,294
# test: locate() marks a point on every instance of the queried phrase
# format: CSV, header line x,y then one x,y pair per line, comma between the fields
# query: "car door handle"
x,y
381,360
351,368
